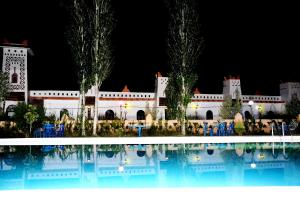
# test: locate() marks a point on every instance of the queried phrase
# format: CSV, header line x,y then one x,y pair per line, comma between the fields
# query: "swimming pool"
x,y
173,166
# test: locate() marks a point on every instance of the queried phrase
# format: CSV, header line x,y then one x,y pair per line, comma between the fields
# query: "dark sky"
x,y
258,41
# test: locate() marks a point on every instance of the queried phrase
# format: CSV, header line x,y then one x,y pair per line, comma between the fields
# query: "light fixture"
x,y
121,168
197,158
253,165
250,103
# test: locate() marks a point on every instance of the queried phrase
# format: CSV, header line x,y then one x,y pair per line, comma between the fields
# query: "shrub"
x,y
152,131
239,128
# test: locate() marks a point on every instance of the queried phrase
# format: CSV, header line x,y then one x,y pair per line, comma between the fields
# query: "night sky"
x,y
258,41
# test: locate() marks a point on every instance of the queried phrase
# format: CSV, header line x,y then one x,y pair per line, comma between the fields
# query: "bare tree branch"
x,y
184,47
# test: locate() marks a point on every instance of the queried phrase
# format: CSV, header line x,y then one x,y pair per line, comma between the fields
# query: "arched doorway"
x,y
109,154
141,153
210,151
247,115
140,115
10,111
209,115
63,112
271,115
109,115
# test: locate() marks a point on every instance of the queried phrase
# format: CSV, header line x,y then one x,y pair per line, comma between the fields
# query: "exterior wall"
x,y
55,106
15,63
127,104
203,103
161,84
230,86
288,89
56,100
266,107
125,108
10,103
266,103
160,87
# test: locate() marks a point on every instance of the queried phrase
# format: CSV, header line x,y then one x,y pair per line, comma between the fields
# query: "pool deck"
x,y
145,140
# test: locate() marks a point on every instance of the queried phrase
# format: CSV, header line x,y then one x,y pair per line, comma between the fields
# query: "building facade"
x,y
130,105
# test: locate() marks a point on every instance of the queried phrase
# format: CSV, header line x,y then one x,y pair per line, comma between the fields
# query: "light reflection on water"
x,y
150,166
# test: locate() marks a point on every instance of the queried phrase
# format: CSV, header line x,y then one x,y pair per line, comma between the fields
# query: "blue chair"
x,y
211,132
221,129
61,131
205,128
48,148
37,133
230,129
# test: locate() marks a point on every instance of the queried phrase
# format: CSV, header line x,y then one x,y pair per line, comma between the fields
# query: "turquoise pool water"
x,y
149,166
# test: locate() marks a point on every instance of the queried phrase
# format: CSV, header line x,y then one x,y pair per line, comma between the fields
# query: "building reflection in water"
x,y
185,165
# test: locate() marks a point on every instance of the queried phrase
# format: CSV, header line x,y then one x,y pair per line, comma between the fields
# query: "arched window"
x,y
140,115
14,77
89,113
209,115
10,111
247,115
109,154
109,115
271,115
141,153
210,151
63,112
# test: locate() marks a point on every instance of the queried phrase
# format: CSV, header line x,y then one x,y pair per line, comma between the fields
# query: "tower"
x,y
160,87
288,89
231,85
14,63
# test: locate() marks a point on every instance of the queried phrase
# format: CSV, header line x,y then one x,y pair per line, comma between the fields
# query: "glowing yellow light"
x,y
126,161
197,158
126,105
261,156
194,106
260,108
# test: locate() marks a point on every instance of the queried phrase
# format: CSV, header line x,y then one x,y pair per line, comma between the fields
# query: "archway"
x,y
63,112
271,115
141,153
209,115
210,151
140,115
10,111
109,154
109,115
247,115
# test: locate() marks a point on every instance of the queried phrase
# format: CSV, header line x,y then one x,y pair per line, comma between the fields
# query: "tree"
x,y
230,107
184,46
31,116
4,82
226,108
237,103
79,38
172,98
102,24
20,110
293,106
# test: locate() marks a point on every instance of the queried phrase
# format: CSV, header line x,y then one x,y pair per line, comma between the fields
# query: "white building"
x,y
126,104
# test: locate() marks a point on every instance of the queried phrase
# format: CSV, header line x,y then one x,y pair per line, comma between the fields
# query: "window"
x,y
14,77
